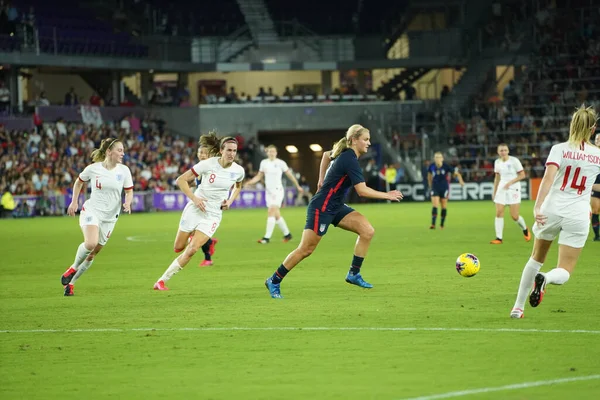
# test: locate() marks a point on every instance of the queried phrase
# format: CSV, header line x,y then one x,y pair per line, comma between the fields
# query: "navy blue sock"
x,y
444,213
433,215
279,274
595,224
356,264
206,248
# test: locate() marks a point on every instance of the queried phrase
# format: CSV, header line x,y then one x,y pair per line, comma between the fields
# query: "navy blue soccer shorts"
x,y
318,221
596,194
440,191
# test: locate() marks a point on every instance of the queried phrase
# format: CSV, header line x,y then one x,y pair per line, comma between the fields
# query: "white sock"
x,y
81,254
499,224
521,223
557,276
529,272
270,226
283,226
172,270
82,268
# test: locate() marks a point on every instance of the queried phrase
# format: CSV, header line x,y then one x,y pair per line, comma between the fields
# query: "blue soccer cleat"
x,y
358,280
274,289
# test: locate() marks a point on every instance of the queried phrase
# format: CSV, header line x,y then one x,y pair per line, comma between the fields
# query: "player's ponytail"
x,y
344,143
211,142
99,154
582,123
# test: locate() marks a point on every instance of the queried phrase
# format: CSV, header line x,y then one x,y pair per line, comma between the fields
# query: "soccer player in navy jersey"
x,y
438,178
596,203
327,207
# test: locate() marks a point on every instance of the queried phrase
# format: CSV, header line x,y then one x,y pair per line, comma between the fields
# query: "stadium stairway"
x,y
259,21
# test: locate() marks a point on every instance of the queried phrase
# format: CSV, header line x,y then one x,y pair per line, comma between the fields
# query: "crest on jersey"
x,y
232,175
322,227
119,177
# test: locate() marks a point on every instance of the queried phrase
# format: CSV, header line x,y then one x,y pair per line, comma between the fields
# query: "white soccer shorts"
x,y
88,217
274,198
507,197
192,219
570,232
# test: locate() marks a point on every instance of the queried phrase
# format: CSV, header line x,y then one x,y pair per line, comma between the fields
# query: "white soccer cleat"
x,y
516,313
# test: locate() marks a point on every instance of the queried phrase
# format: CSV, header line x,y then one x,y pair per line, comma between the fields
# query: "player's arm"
x,y
325,161
256,179
496,183
520,177
429,180
549,174
292,178
364,191
183,182
234,194
596,187
128,200
72,209
458,175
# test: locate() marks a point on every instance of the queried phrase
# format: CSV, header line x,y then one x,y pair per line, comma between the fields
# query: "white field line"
x,y
515,386
299,328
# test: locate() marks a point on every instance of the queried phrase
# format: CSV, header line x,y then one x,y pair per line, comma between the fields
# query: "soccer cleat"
x,y
527,235
211,248
496,241
264,241
274,289
160,285
68,289
68,276
516,313
206,263
432,227
287,238
539,289
358,280
442,227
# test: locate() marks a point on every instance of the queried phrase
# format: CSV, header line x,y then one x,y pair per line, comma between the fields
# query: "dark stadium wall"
x,y
306,162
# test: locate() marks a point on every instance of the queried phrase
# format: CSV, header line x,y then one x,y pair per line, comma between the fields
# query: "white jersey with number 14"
x,y
570,193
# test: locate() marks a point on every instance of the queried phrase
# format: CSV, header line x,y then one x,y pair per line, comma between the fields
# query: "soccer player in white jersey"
x,y
507,191
108,178
272,169
202,215
562,209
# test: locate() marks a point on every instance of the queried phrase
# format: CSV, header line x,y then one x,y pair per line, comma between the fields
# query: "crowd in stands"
x,y
536,107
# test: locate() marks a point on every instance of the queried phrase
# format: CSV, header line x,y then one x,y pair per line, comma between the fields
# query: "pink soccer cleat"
x,y
211,248
160,285
206,263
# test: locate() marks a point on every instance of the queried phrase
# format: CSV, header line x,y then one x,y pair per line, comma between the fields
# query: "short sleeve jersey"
x,y
508,170
570,193
440,174
273,170
216,181
107,187
343,173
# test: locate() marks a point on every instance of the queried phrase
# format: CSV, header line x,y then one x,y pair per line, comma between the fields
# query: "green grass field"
x,y
325,340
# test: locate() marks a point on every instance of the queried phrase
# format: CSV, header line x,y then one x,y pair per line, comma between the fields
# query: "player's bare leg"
x,y
514,214
531,269
435,203
499,224
567,259
181,241
177,265
358,223
308,244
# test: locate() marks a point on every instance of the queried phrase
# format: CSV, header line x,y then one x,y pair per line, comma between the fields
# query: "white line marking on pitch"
x,y
524,385
322,328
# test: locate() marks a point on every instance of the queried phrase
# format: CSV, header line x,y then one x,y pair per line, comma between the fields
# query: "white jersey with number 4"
x,y
508,170
107,186
570,193
273,170
216,182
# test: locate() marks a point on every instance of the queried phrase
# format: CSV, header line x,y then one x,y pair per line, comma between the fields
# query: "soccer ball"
x,y
467,265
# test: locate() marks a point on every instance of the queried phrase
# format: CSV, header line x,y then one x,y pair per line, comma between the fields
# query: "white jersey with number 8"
x,y
216,181
570,193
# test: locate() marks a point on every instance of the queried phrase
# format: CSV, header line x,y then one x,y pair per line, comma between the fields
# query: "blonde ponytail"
x,y
211,142
344,143
582,123
99,154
